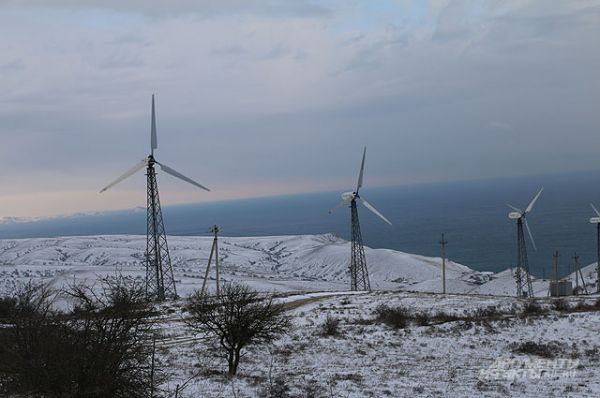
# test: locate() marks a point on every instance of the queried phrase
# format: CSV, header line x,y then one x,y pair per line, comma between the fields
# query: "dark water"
x,y
473,215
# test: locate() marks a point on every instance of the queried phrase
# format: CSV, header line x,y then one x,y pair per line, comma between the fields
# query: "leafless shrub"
x,y
545,350
592,352
443,317
533,307
7,307
362,321
422,319
396,317
487,312
353,377
277,388
97,350
331,326
345,301
238,317
561,305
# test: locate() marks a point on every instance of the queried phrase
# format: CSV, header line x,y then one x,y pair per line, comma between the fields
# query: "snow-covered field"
x,y
371,359
368,358
275,263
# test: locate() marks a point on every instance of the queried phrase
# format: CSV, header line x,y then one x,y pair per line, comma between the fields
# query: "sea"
x,y
473,215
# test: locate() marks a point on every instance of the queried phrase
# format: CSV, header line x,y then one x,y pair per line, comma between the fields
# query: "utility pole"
x,y
215,231
576,258
443,242
579,274
556,255
213,251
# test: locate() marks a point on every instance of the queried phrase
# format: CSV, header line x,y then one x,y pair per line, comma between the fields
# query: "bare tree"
x,y
98,349
237,318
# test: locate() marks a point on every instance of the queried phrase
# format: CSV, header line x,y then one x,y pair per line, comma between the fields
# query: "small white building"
x,y
561,288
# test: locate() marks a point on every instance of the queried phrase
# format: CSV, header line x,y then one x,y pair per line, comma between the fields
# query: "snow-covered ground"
x,y
368,358
273,263
371,359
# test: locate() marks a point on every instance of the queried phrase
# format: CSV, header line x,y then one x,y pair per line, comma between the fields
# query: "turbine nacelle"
x,y
515,215
348,197
595,220
518,214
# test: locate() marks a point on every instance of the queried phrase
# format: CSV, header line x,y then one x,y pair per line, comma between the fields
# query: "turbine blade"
x,y
596,210
374,210
128,173
153,139
177,174
337,207
362,169
528,209
515,208
530,234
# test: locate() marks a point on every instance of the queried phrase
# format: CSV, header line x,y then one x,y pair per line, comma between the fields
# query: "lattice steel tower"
x,y
522,274
524,287
160,282
596,220
359,274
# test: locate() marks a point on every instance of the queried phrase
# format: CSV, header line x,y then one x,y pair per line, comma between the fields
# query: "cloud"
x,y
160,8
285,94
501,126
11,66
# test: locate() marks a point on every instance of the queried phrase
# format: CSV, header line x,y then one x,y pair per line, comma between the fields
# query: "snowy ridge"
x,y
274,263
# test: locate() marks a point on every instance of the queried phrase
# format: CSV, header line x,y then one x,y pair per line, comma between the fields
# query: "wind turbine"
x,y
524,287
160,282
359,275
596,220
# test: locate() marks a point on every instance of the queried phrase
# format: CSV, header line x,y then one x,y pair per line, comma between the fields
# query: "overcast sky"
x,y
273,97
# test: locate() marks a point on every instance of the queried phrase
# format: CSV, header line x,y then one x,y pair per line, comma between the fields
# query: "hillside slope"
x,y
274,263
305,262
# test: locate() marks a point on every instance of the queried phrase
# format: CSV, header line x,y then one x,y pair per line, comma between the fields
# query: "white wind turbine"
x,y
524,286
359,275
160,281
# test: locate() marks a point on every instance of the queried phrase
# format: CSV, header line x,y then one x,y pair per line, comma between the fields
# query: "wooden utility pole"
x,y
443,242
213,251
579,274
575,258
556,267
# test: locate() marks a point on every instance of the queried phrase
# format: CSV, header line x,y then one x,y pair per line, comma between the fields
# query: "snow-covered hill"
x,y
274,263
590,276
